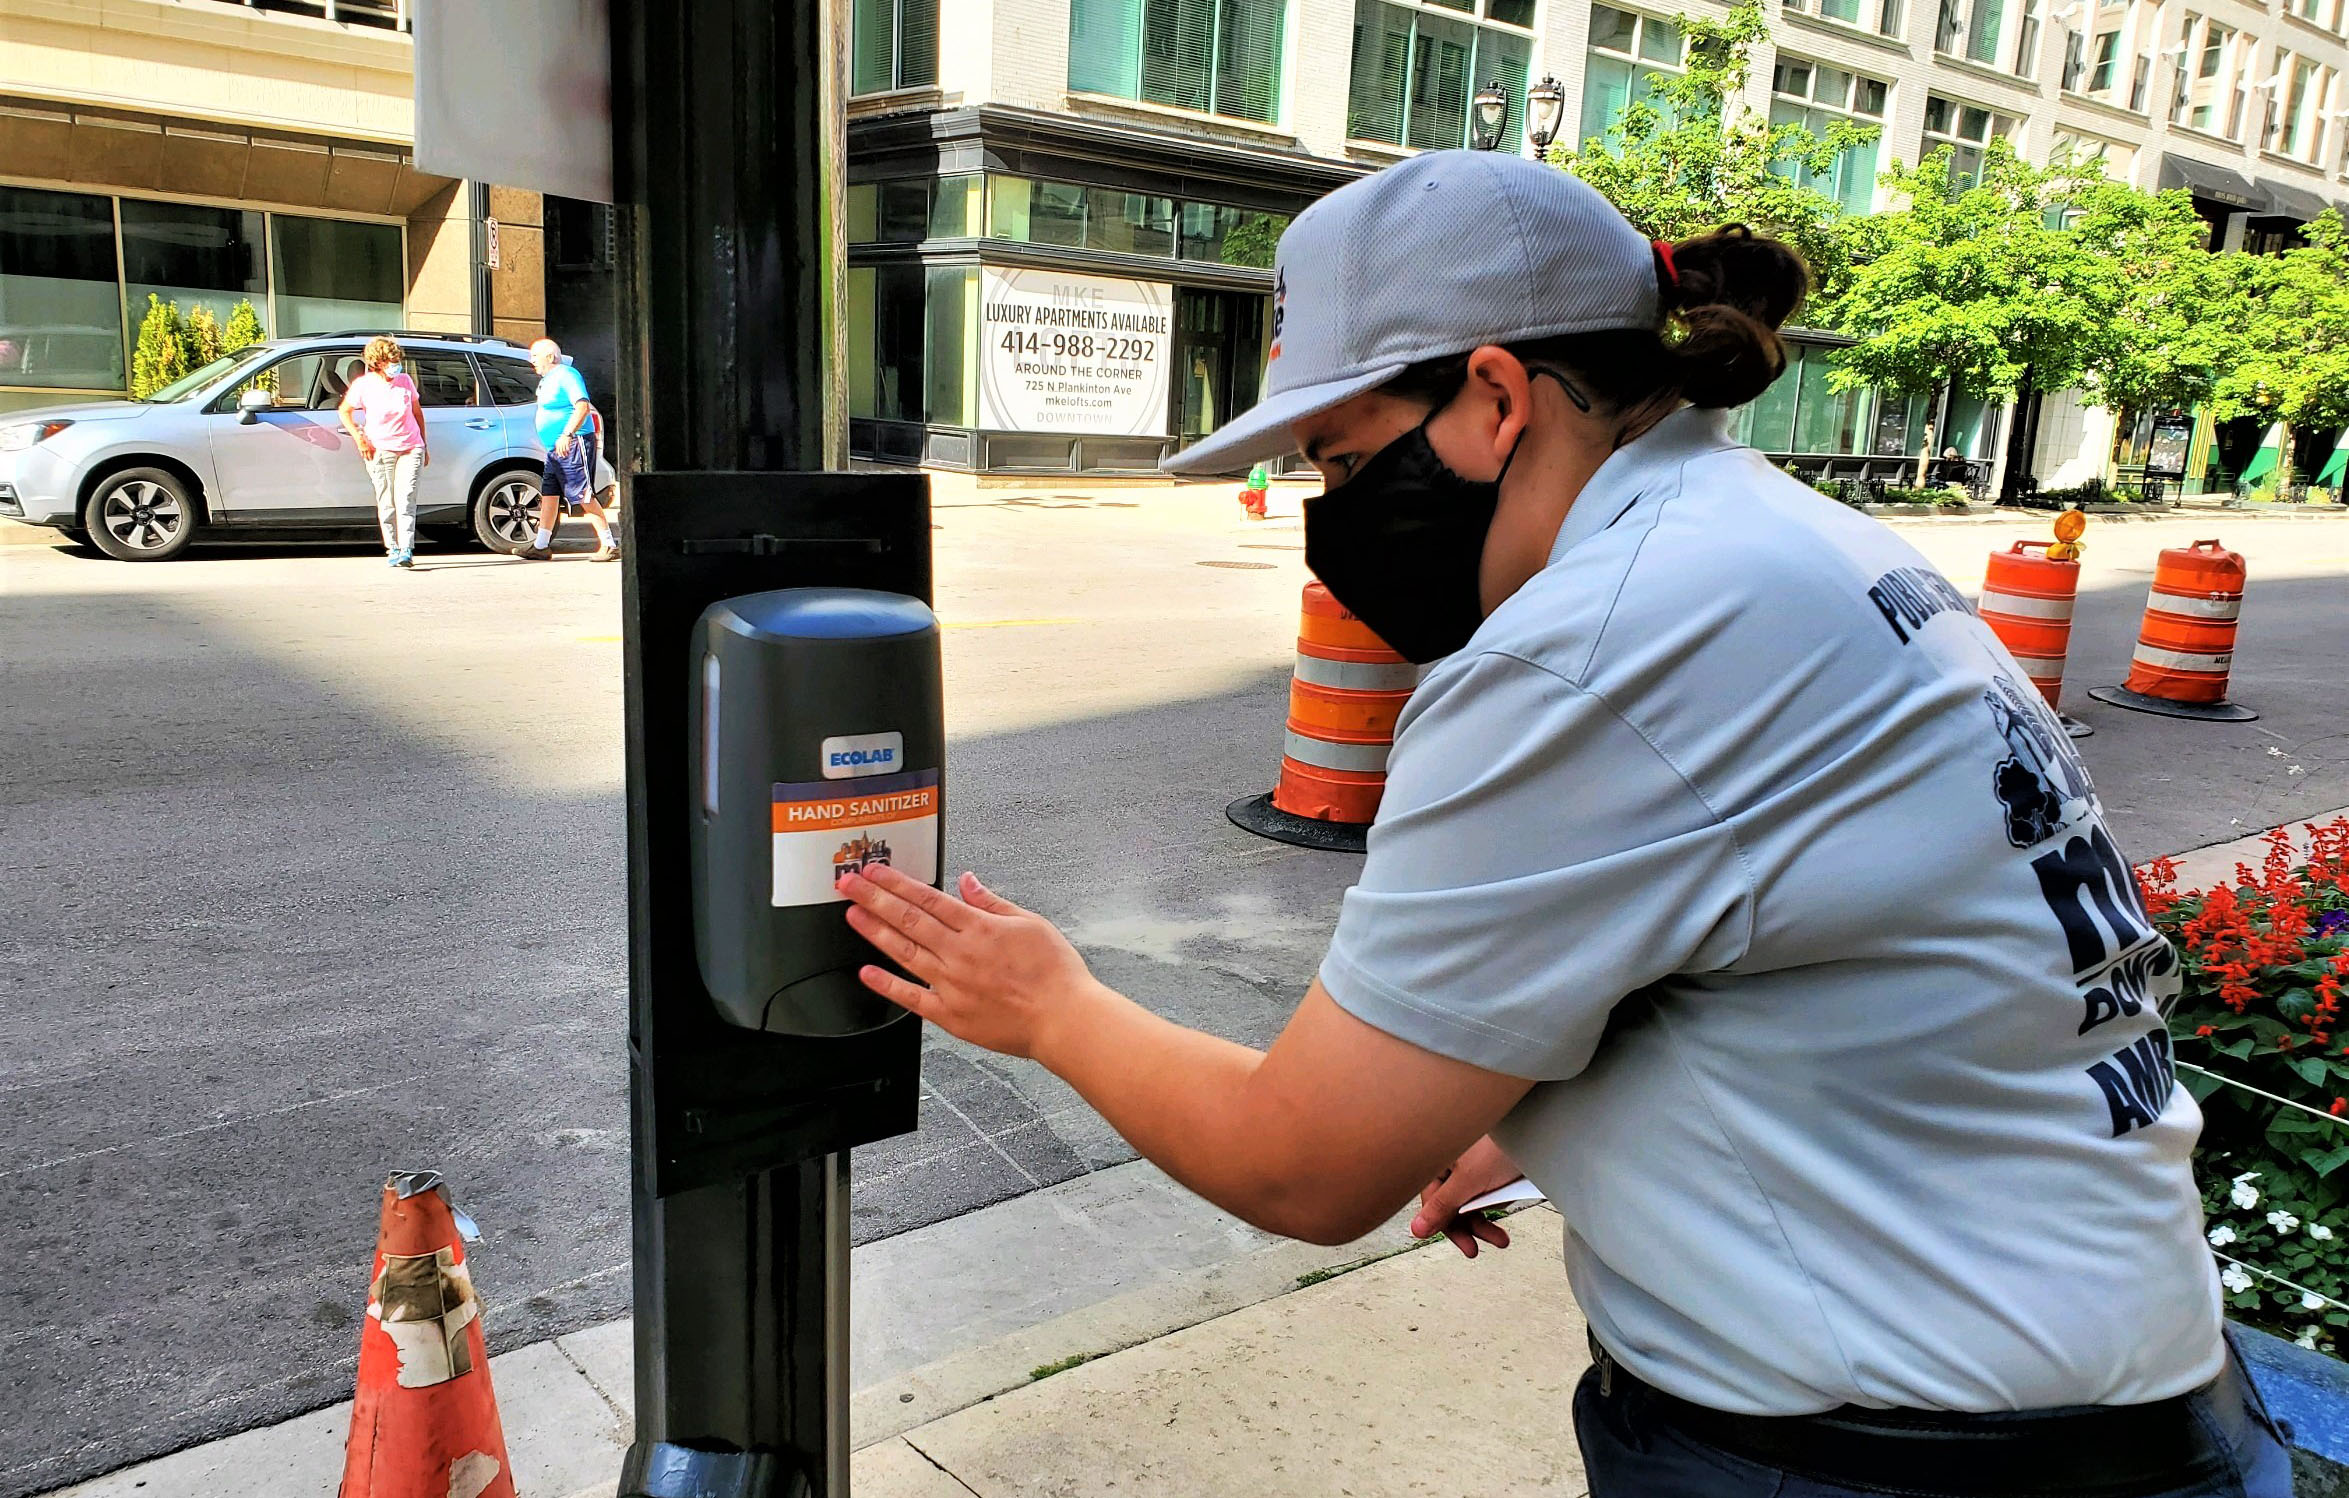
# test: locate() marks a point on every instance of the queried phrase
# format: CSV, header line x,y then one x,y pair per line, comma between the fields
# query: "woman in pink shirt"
x,y
389,432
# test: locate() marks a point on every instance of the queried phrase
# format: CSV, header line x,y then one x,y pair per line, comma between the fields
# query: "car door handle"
x,y
480,425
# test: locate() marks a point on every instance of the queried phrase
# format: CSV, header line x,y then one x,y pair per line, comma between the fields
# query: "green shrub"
x,y
202,334
244,328
162,352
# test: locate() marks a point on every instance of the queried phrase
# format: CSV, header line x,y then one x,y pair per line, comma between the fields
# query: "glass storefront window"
x,y
1230,236
956,208
1131,222
951,351
862,330
1769,424
333,275
1800,414
902,211
1825,420
60,299
195,256
898,327
913,343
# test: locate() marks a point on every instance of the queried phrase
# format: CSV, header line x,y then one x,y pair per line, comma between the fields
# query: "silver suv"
x,y
250,442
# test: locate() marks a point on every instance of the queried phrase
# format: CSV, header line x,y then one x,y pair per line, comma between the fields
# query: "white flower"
x,y
2319,1231
2245,1195
2307,1338
2311,1301
2221,1236
2235,1278
2282,1222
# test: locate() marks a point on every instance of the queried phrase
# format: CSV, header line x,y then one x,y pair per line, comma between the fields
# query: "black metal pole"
x,y
726,163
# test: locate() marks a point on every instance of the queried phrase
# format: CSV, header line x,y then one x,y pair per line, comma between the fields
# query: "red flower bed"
x,y
2265,958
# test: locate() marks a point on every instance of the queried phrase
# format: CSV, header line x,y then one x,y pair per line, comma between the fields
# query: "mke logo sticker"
x,y
863,754
823,829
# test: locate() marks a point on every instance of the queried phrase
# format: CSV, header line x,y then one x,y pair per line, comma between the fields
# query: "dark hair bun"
x,y
1734,291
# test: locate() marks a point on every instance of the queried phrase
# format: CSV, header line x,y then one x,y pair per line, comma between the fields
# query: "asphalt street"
x,y
313,870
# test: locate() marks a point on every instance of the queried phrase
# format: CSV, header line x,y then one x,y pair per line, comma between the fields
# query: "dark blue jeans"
x,y
1630,1449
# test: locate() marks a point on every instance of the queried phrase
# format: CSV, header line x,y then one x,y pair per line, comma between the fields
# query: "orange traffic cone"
x,y
2186,646
1344,698
426,1421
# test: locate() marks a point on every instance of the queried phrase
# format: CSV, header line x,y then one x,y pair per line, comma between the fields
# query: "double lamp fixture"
x,y
1545,110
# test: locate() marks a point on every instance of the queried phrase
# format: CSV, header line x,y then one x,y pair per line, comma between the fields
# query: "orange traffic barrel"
x,y
2186,646
425,1423
2027,600
1344,696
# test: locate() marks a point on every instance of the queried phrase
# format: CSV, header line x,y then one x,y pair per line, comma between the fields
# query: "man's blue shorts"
x,y
569,476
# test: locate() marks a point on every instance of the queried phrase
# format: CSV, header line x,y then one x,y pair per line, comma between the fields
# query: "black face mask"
x,y
1401,542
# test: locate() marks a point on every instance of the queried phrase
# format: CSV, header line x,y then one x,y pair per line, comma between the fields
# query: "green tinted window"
x,y
1214,56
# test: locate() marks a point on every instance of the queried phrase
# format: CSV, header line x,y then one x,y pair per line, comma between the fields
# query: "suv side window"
x,y
297,382
512,382
442,379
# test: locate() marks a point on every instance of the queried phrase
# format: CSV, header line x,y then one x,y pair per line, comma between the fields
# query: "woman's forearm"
x,y
1184,1100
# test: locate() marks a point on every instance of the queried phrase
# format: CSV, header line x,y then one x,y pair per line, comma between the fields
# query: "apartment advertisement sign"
x,y
1060,352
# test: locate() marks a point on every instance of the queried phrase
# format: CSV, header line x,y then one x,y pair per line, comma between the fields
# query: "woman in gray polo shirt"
x,y
1731,882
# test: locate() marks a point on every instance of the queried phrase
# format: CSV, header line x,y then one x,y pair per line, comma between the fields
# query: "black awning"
x,y
2292,202
2214,183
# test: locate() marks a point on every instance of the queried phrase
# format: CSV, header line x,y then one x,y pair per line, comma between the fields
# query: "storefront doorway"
x,y
1218,357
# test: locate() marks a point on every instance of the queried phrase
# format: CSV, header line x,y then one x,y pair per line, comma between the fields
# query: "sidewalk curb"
x,y
2199,868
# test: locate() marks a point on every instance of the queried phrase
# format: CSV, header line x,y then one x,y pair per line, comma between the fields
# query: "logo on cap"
x,y
1280,311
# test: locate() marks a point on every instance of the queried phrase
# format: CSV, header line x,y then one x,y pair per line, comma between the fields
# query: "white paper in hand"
x,y
1519,1190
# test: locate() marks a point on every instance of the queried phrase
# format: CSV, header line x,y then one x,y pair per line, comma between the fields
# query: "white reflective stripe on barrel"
x,y
1357,676
2025,608
2039,668
1322,754
2179,660
2197,605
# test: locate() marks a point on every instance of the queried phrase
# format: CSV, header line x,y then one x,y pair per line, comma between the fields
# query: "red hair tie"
x,y
1664,258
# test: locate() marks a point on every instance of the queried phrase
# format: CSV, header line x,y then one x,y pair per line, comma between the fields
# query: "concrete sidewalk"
x,y
1400,1370
1109,1333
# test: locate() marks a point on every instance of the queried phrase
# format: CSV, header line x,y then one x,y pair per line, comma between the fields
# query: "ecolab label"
x,y
852,755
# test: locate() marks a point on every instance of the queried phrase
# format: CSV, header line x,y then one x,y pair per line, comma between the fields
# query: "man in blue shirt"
x,y
570,431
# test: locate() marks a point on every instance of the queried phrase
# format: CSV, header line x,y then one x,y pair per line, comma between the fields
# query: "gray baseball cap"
x,y
1437,255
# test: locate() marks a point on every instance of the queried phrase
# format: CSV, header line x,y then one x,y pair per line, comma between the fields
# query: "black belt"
x,y
2097,1451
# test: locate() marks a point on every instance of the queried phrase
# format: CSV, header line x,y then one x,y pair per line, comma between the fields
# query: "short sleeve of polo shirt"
x,y
1535,861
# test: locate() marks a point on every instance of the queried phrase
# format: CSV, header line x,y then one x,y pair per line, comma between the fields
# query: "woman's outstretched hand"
x,y
990,973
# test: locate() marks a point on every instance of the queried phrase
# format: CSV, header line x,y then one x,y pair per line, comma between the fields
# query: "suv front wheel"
x,y
505,512
141,515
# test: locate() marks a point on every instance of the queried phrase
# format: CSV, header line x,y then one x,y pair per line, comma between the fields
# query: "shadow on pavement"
x,y
273,945
283,945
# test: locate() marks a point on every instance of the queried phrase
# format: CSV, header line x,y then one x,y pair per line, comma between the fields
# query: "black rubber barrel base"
x,y
1257,814
2073,727
2206,712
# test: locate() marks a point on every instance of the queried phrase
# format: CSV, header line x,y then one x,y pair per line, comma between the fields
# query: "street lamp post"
x,y
1545,111
1491,116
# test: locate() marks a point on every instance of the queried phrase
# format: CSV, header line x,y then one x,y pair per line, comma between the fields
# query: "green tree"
x,y
203,335
2181,316
244,328
1979,286
2294,366
1684,158
162,352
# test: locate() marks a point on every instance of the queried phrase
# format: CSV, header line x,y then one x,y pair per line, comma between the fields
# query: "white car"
x,y
250,443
